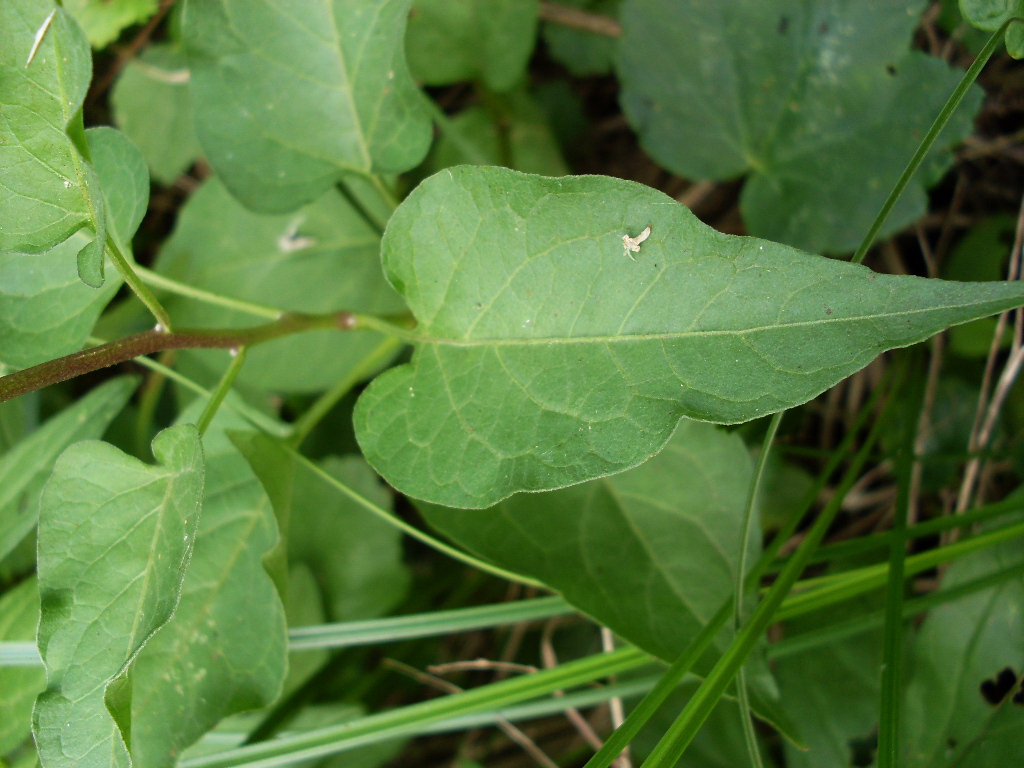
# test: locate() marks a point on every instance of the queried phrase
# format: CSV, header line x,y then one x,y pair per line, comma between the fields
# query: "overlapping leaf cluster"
x,y
543,355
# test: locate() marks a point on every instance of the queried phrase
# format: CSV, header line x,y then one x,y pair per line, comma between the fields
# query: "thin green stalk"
x,y
926,143
742,694
256,418
892,643
393,628
416,533
140,288
223,387
679,735
149,399
619,739
323,405
207,297
388,328
411,719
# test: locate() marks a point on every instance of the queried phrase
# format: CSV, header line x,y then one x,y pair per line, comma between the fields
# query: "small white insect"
x,y
632,244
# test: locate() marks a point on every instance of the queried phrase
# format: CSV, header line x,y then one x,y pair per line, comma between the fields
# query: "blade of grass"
x,y
746,721
353,633
405,720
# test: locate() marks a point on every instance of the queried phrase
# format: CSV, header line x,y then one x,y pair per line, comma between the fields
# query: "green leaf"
x,y
453,40
49,190
124,180
822,104
546,356
583,53
303,608
650,553
516,135
833,692
45,310
19,686
321,258
115,536
152,106
990,15
355,556
960,646
24,469
224,651
103,20
290,96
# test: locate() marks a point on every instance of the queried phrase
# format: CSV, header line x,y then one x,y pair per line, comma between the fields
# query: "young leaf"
x,y
103,20
821,103
990,15
49,190
26,466
152,106
288,97
949,720
489,40
224,651
19,686
45,310
115,536
321,258
546,355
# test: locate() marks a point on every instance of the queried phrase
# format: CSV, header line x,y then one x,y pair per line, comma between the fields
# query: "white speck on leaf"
x,y
632,244
40,34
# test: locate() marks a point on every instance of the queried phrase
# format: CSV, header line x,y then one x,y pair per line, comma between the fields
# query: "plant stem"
x,y
926,143
741,575
140,288
416,533
223,387
88,360
207,297
575,18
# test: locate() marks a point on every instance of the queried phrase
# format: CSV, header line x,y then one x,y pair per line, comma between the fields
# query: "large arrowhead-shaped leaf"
x,y
546,356
322,258
224,651
49,191
289,96
822,103
26,466
115,536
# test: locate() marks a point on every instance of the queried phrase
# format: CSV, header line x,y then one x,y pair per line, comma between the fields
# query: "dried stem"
x,y
575,18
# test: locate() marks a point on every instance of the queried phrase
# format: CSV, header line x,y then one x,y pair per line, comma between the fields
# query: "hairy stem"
x,y
88,360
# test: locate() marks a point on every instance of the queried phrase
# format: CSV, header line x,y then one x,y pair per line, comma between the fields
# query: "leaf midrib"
x,y
673,335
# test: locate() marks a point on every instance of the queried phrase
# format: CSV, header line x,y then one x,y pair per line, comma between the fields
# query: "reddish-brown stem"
x,y
77,363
